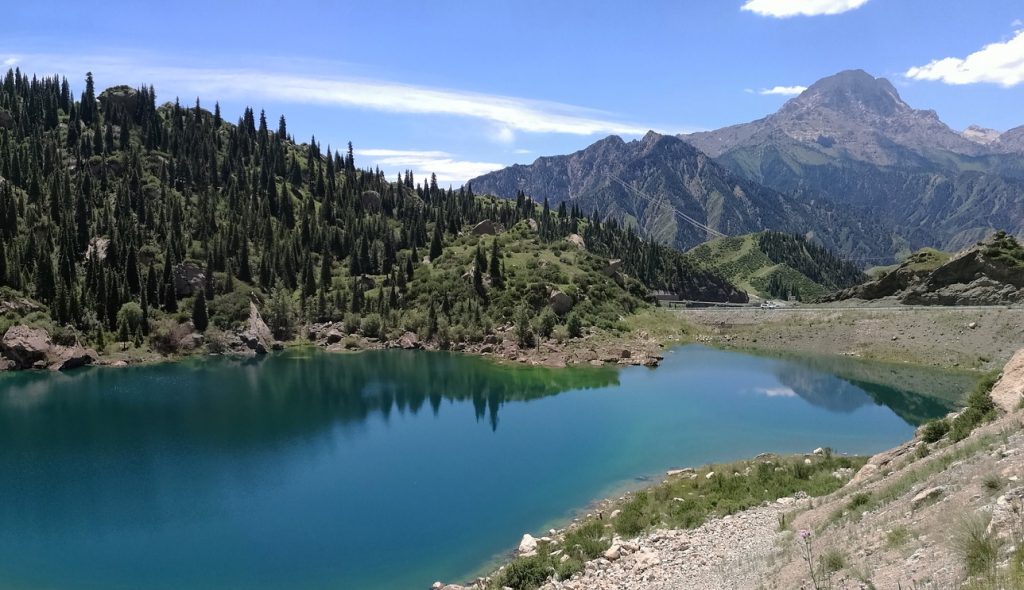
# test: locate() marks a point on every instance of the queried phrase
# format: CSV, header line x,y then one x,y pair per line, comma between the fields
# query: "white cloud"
x,y
425,162
788,8
10,61
508,114
1017,23
504,135
775,391
521,151
996,63
782,90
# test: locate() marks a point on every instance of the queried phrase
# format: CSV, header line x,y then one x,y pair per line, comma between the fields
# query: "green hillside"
x,y
777,265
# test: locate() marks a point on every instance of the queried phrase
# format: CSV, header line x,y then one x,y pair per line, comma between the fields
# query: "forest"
x,y
122,220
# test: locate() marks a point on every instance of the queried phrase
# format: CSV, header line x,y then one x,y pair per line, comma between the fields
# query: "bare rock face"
x,y
97,245
560,302
6,119
188,279
257,336
613,267
409,341
1009,391
64,358
28,348
25,346
484,228
576,240
528,545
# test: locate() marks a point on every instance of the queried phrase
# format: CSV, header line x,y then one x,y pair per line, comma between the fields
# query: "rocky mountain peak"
x,y
848,92
982,135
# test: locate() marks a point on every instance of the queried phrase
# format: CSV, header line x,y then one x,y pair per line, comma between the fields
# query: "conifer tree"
x,y
200,319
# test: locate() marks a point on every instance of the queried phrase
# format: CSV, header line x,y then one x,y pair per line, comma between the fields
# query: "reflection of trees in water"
x,y
845,395
240,403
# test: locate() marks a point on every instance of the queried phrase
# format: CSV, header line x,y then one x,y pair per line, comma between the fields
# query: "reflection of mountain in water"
x,y
231,402
837,394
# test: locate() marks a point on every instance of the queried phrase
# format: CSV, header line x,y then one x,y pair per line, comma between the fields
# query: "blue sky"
x,y
460,87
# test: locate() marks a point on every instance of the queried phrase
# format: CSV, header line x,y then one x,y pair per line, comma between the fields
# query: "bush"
x,y
546,323
980,409
370,326
978,548
574,325
526,573
934,431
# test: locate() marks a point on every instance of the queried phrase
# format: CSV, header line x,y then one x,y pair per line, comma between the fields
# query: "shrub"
x,y
897,537
977,547
934,431
526,573
574,325
546,323
980,409
370,326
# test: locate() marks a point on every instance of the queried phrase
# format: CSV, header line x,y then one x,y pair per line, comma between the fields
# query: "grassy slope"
x,y
742,262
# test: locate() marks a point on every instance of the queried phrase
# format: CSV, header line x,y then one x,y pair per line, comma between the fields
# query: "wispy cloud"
x,y
775,391
997,63
10,61
507,114
1017,23
788,8
521,151
423,163
782,90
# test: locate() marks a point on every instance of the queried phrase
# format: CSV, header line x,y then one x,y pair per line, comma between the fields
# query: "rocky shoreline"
x,y
25,347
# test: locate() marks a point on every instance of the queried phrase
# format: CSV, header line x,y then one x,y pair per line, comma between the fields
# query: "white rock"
x,y
709,475
528,545
613,553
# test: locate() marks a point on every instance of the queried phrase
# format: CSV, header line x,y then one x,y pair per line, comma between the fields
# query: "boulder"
x,y
927,496
528,545
531,224
6,119
614,266
613,553
576,240
188,279
99,246
484,228
1009,390
333,336
25,346
409,341
560,302
257,336
122,97
64,358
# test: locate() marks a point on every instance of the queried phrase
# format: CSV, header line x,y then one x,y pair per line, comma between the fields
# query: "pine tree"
x,y
495,265
170,299
436,242
200,319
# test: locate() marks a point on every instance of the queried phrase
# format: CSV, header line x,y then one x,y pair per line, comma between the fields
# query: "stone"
x,y
972,325
484,228
614,266
614,514
409,341
65,358
926,496
645,559
613,553
532,224
333,336
188,279
709,475
98,246
576,240
560,302
819,451
25,346
528,545
257,336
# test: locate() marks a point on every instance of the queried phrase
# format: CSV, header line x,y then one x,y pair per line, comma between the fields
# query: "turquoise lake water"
x,y
382,470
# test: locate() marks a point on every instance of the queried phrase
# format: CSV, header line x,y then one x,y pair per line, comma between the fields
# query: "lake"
x,y
381,470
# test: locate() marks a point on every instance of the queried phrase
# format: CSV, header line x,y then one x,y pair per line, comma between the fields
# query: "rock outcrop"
x,y
988,273
560,302
25,346
484,228
31,348
257,335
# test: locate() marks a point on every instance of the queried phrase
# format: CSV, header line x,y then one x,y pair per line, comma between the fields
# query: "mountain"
x,y
850,138
989,273
777,265
652,183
